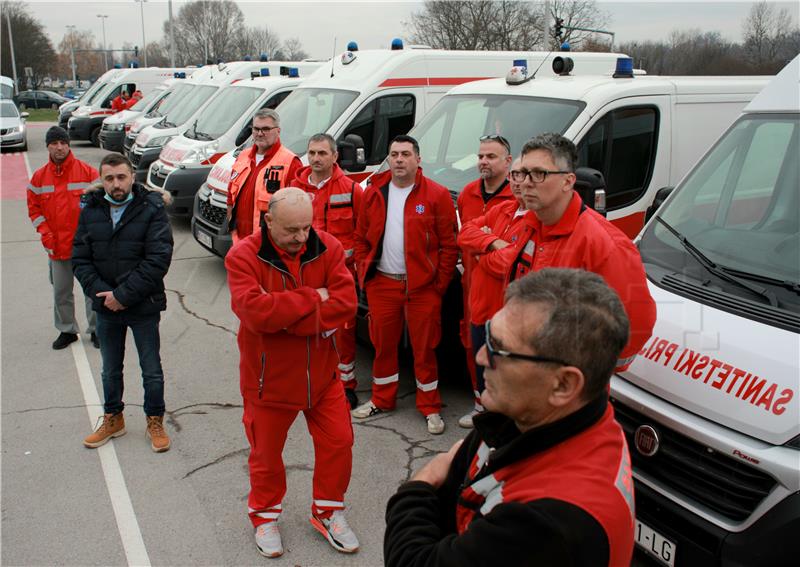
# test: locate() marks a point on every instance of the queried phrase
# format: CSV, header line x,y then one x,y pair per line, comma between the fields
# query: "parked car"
x,y
74,94
13,133
39,99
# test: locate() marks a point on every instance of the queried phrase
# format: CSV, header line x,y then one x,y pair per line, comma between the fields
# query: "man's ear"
x,y
568,385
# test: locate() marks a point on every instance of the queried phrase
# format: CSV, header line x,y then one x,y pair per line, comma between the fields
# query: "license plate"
x,y
655,544
204,239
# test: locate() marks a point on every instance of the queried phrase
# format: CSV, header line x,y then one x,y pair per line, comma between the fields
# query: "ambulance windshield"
x,y
223,112
449,134
740,208
306,112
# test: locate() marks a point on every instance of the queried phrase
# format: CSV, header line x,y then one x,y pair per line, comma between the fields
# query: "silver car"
x,y
13,132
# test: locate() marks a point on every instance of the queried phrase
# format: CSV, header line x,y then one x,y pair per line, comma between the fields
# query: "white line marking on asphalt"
x,y
128,526
27,164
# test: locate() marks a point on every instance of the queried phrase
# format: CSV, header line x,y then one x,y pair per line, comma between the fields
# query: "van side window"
x,y
275,100
380,121
622,145
114,94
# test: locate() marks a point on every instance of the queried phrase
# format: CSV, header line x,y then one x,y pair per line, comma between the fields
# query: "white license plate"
x,y
204,239
655,544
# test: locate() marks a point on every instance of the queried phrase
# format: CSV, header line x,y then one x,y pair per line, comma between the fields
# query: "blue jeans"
x,y
112,330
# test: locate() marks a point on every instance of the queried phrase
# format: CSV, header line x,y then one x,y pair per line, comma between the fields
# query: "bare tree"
x,y
577,14
293,50
88,64
207,30
32,47
254,41
765,30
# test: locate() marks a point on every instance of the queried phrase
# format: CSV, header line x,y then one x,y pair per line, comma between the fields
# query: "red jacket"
x,y
336,206
490,269
54,203
431,252
287,353
119,104
584,239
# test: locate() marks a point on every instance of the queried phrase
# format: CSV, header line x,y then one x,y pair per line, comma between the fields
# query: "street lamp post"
x,y
13,58
171,37
105,53
71,29
144,41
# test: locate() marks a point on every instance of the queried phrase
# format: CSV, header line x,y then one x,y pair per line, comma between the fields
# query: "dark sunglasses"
x,y
496,138
492,352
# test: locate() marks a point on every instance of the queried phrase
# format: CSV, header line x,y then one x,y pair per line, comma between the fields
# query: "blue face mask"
x,y
118,203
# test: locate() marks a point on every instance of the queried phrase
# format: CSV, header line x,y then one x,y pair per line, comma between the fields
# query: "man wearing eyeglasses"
x,y
291,290
476,199
258,172
406,254
563,232
545,477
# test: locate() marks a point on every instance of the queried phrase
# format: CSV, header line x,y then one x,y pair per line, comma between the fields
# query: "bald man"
x,y
291,291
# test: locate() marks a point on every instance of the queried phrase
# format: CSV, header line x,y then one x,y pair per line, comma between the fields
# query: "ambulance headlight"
x,y
158,142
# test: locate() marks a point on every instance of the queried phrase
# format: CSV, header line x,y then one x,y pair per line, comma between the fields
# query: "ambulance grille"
x,y
135,159
715,481
212,214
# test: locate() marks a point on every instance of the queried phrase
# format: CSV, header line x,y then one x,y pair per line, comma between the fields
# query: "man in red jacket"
x,y
120,102
476,199
406,253
337,199
54,204
563,232
291,290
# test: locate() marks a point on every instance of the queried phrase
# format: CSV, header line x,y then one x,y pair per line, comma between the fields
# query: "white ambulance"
x,y
711,406
201,91
185,161
363,99
65,110
112,131
86,120
642,132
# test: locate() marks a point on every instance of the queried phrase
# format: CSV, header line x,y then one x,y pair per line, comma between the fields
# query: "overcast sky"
x,y
373,24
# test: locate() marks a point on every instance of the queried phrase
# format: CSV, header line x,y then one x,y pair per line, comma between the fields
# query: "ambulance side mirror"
x,y
352,156
243,135
591,186
658,200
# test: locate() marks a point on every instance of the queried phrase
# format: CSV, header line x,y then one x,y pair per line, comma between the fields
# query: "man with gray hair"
x,y
258,172
545,477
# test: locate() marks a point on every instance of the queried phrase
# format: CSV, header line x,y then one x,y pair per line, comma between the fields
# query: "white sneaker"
x,y
465,421
336,531
367,409
435,424
268,540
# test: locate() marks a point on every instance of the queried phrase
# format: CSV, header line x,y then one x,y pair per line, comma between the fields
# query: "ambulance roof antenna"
x,y
333,57
549,53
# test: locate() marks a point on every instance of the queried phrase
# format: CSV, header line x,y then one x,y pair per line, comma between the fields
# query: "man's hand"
x,y
435,472
109,301
323,293
498,244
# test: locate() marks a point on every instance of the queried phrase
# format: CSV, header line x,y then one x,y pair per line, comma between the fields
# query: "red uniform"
x,y
584,239
119,104
431,253
336,206
54,199
247,190
288,363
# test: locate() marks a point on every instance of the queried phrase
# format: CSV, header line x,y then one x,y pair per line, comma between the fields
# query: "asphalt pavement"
x,y
63,504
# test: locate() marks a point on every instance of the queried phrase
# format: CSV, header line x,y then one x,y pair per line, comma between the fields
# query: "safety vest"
x,y
276,171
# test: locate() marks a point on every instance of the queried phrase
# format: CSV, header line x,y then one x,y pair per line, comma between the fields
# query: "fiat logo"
x,y
646,440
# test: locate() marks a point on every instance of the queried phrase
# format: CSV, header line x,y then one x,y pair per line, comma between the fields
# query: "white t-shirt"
x,y
259,158
393,257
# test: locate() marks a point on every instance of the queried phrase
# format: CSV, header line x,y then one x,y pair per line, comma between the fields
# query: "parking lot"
x,y
124,504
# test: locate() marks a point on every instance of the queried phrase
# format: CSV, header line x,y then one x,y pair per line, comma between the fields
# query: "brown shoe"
x,y
159,440
113,426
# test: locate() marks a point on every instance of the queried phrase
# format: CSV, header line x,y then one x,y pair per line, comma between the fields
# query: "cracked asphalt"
x,y
190,503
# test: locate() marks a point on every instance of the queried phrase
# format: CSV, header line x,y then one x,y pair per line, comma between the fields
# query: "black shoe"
x,y
95,341
352,398
63,340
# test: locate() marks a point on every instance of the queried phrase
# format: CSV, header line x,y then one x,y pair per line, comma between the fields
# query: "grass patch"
x,y
41,114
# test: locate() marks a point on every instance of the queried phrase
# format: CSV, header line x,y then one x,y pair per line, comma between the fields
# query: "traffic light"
x,y
136,51
559,28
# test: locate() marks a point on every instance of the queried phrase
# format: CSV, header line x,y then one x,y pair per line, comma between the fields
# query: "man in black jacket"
x,y
545,478
121,253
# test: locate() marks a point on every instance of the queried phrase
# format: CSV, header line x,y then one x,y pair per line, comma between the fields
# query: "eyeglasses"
x,y
264,130
492,352
496,138
536,175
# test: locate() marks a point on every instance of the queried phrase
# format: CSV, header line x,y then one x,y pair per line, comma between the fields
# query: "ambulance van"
x,y
185,161
65,110
641,132
710,406
87,119
179,118
112,132
364,99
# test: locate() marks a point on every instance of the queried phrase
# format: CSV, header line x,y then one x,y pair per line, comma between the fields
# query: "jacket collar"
x,y
97,193
59,169
565,225
510,445
269,254
383,178
304,176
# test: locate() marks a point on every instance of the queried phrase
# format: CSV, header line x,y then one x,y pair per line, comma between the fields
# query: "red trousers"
x,y
390,306
332,433
346,346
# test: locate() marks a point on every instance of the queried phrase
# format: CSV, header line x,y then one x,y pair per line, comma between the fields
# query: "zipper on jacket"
x,y
308,339
427,248
261,377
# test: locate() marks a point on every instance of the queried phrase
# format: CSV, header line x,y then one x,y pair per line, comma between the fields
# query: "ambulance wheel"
x,y
94,137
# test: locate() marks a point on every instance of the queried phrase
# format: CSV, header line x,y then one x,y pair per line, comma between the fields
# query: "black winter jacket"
x,y
130,259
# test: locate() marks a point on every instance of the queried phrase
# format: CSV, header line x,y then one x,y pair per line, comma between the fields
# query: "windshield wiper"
x,y
716,269
197,135
788,284
167,124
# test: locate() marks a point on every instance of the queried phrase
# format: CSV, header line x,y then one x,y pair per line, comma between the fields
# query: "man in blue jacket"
x,y
121,253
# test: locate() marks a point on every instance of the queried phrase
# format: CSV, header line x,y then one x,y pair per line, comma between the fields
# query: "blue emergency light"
x,y
352,46
624,68
263,57
247,58
397,44
294,72
264,72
